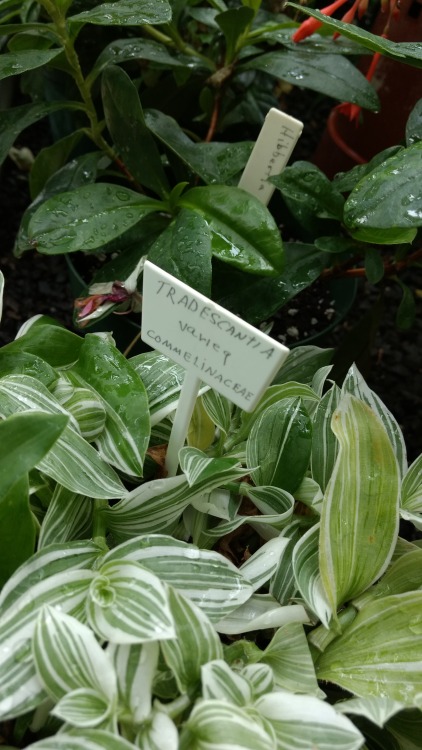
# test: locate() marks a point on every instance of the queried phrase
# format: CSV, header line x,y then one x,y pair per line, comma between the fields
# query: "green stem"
x,y
173,40
99,523
176,707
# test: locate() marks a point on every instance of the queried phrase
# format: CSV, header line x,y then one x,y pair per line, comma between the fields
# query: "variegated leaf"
x,y
68,657
201,431
324,443
405,574
159,732
84,707
319,379
219,409
302,721
220,726
260,612
72,461
411,495
308,576
377,709
69,516
370,658
207,578
219,503
355,384
259,568
279,444
163,380
199,468
219,682
89,739
194,643
135,667
302,364
359,517
291,662
260,678
283,583
84,405
310,494
128,604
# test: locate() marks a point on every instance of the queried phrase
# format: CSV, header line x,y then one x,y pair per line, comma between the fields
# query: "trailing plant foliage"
x,y
136,171
125,601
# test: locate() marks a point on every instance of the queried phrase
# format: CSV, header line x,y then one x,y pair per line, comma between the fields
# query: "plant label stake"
x,y
274,145
212,344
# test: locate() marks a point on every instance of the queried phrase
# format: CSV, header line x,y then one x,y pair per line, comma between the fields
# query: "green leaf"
x,y
386,198
15,63
184,251
125,438
305,721
218,409
302,364
129,604
377,709
135,666
405,52
68,656
126,13
260,612
94,739
218,725
279,444
305,183
411,494
195,642
370,659
332,75
69,516
414,124
359,516
234,23
308,576
14,120
83,707
56,346
290,660
199,468
324,443
163,380
126,124
243,232
50,159
406,311
160,730
123,50
86,218
207,578
374,265
219,682
259,568
84,405
405,574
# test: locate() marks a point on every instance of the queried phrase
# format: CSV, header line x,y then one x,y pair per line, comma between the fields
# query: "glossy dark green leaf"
x,y
213,162
332,75
388,197
279,445
335,245
255,299
317,44
406,311
125,120
377,236
374,265
302,364
17,529
15,63
50,159
57,346
414,124
405,52
243,232
86,218
184,250
126,13
234,23
346,181
24,363
16,119
305,183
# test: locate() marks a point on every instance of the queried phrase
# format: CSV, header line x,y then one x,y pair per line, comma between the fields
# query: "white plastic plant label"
x,y
220,349
274,145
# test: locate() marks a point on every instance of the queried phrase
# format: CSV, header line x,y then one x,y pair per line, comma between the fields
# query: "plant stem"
x,y
214,118
176,707
99,523
389,268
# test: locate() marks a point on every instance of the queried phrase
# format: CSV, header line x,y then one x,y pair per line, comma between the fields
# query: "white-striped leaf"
x,y
84,405
411,493
219,409
310,494
273,395
160,732
290,660
205,577
72,461
128,604
219,503
360,512
260,678
135,668
377,709
308,576
259,568
69,516
90,739
201,432
124,439
163,380
68,657
217,725
199,468
283,583
195,642
318,380
260,612
380,653
279,444
355,384
415,518
324,443
405,574
302,722
20,689
302,364
84,707
219,682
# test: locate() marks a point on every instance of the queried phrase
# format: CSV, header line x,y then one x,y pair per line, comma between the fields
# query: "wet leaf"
x,y
126,13
15,63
